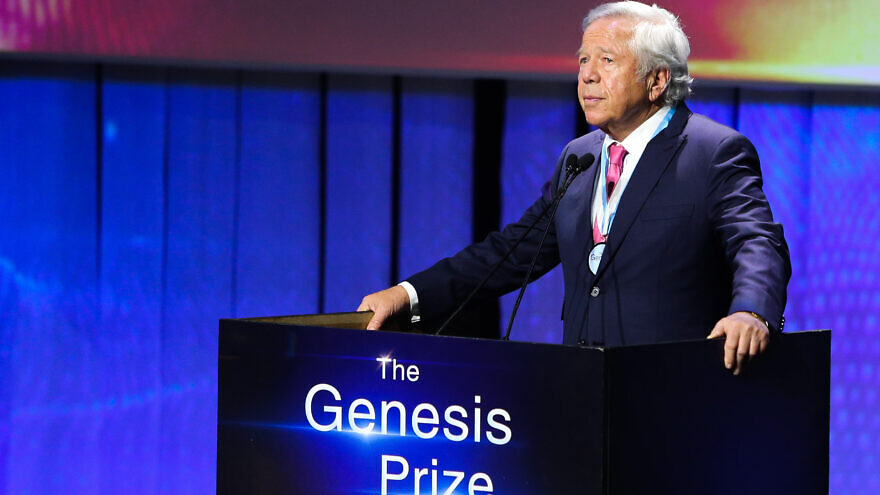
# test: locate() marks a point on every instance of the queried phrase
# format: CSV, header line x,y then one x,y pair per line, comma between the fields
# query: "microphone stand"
x,y
573,167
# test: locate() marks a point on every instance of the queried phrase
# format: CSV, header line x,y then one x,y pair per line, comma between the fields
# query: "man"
x,y
667,237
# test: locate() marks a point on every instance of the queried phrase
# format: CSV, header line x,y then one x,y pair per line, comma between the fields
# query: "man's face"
x,y
611,94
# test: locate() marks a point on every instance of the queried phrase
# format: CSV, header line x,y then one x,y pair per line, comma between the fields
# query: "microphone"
x,y
573,167
576,168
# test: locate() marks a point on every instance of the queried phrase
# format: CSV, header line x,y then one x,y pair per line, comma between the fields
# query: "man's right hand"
x,y
384,304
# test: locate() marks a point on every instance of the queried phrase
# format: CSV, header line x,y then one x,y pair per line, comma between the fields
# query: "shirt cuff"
x,y
413,301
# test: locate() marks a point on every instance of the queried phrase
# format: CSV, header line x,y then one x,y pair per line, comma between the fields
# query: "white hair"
x,y
658,42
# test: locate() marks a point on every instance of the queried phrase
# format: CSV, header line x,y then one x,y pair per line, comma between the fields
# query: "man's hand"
x,y
384,304
747,337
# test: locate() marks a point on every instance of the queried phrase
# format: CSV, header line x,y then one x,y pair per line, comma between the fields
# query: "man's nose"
x,y
588,72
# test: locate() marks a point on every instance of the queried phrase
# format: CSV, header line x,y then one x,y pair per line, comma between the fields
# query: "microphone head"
x,y
571,163
575,165
585,161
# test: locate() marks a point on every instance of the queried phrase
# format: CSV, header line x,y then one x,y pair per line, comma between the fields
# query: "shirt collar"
x,y
638,139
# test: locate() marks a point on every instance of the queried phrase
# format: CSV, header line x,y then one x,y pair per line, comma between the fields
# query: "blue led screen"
x,y
138,205
358,187
279,164
435,177
539,119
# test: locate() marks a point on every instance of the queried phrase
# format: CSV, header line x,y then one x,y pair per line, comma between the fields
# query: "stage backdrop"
x,y
140,205
784,40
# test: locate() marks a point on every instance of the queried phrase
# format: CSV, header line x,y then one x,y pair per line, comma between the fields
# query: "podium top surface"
x,y
358,321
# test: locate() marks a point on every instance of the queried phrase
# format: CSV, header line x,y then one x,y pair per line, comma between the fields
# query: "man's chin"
x,y
593,120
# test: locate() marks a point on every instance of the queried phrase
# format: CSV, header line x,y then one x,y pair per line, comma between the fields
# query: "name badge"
x,y
595,257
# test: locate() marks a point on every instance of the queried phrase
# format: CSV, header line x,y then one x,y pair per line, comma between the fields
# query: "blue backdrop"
x,y
140,205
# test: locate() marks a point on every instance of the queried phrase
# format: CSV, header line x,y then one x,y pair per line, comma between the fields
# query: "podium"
x,y
309,410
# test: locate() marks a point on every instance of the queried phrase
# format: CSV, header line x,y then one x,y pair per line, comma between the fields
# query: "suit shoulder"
x,y
585,143
712,142
701,127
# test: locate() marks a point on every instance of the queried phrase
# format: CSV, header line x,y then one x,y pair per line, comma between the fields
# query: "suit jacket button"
x,y
594,292
582,342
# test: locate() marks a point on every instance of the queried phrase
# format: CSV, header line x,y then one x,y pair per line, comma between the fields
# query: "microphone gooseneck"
x,y
582,164
573,166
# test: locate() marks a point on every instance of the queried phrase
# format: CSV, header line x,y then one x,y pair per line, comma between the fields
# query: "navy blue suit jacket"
x,y
693,240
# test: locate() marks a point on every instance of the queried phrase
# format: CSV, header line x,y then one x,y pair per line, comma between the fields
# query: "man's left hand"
x,y
747,337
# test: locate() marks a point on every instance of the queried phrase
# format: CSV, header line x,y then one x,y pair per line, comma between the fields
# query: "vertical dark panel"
x,y
784,149
538,125
436,176
198,288
489,113
133,136
359,197
843,264
48,397
482,319
278,237
717,103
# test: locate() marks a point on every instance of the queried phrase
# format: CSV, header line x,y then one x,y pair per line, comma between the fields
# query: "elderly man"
x,y
669,236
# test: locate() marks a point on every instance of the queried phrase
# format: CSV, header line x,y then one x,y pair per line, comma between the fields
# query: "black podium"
x,y
311,410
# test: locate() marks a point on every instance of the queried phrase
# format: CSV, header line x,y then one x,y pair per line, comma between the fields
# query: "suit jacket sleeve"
x,y
443,286
753,243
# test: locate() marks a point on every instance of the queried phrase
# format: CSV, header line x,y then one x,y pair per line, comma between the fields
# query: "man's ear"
x,y
657,81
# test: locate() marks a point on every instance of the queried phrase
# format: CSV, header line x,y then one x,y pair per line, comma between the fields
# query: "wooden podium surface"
x,y
315,410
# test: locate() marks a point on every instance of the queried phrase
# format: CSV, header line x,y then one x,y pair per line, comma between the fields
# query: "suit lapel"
x,y
585,187
654,161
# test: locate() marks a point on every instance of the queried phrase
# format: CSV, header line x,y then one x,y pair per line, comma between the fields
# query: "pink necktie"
x,y
616,153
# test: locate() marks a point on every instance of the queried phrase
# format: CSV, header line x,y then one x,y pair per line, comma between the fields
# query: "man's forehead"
x,y
611,28
608,34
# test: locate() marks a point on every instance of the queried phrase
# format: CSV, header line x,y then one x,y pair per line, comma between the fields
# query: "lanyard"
x,y
606,214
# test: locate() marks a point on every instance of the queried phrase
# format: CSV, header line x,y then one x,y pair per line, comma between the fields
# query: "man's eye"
x,y
608,60
582,60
